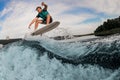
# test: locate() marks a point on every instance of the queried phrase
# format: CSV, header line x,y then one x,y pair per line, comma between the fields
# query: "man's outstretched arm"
x,y
45,6
34,20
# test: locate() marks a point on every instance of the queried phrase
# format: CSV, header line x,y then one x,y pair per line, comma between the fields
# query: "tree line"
x,y
108,25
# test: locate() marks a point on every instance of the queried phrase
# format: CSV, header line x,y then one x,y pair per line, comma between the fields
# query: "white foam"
x,y
1,46
20,63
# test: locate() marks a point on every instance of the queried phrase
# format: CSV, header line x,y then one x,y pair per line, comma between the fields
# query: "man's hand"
x,y
29,26
32,22
43,4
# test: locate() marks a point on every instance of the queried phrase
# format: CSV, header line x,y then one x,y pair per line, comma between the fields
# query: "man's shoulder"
x,y
44,10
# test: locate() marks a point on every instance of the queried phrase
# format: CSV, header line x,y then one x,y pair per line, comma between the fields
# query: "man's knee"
x,y
38,21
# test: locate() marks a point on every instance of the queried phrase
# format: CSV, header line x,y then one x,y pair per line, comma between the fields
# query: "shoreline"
x,y
7,41
59,38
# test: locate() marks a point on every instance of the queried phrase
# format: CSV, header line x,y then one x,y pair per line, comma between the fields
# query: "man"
x,y
42,13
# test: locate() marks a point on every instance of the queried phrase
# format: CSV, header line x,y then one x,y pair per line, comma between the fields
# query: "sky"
x,y
76,17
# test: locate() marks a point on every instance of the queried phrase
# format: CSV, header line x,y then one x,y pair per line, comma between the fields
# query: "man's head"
x,y
39,9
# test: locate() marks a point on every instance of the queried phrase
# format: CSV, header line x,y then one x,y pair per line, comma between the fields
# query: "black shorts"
x,y
44,21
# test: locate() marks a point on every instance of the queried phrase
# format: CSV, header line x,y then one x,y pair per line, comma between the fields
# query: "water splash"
x,y
21,60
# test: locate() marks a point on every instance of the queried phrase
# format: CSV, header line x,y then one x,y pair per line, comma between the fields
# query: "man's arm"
x,y
32,22
45,6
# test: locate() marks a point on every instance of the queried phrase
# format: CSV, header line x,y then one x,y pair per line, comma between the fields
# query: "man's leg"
x,y
36,23
48,19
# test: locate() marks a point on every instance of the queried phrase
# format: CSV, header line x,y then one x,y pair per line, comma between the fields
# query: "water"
x,y
48,59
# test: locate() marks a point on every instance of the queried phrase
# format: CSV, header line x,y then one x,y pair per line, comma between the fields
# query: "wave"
x,y
101,54
49,59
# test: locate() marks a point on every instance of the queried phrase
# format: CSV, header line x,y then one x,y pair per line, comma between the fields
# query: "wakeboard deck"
x,y
46,28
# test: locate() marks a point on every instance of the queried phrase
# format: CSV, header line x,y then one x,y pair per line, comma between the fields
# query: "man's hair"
x,y
38,7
